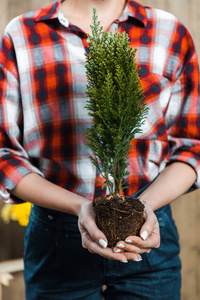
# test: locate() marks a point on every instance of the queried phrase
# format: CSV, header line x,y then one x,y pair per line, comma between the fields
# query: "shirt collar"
x,y
51,11
133,9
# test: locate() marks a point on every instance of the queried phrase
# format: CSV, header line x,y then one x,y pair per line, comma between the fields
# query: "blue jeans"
x,y
58,268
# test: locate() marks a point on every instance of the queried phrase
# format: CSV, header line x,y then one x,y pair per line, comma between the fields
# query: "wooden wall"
x,y
186,209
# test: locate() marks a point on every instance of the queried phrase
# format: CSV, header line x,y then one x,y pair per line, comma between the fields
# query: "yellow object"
x,y
6,212
17,212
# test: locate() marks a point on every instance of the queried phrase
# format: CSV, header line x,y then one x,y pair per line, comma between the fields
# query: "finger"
x,y
91,251
153,239
130,247
95,234
87,238
94,247
149,225
151,242
87,223
107,253
133,257
129,255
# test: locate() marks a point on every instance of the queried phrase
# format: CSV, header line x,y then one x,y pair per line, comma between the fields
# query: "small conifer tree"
x,y
116,103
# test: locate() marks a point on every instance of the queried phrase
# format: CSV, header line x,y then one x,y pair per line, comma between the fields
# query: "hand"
x,y
149,237
94,240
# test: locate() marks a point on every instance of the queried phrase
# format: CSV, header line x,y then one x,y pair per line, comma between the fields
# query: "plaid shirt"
x,y
42,89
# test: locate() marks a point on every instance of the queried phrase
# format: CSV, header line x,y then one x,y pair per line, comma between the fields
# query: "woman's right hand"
x,y
93,239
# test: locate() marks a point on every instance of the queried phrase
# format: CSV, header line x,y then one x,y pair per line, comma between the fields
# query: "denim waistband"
x,y
52,217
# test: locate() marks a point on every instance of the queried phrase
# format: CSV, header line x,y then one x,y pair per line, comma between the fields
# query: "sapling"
x,y
116,104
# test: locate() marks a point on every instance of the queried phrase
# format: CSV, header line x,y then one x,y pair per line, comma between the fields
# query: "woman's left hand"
x,y
149,237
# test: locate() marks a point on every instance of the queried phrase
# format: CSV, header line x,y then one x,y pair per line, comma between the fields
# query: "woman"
x,y
44,159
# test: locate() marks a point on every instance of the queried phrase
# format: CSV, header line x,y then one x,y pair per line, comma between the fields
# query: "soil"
x,y
118,217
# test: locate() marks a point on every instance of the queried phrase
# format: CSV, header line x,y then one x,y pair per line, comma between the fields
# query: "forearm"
x,y
37,190
173,182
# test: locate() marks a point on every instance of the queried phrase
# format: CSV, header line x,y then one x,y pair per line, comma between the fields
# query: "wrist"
x,y
149,201
77,205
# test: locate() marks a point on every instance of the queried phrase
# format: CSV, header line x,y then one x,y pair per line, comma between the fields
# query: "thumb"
x,y
89,229
96,234
150,222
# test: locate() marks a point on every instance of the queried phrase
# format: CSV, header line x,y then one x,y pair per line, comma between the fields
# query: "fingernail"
x,y
125,261
121,246
144,235
138,259
128,241
117,250
102,243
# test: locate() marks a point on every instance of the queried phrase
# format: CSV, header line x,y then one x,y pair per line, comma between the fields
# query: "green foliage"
x,y
116,102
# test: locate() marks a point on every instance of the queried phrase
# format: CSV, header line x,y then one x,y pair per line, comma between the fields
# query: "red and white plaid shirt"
x,y
42,98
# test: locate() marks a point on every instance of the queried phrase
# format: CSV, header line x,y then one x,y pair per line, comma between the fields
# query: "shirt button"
x,y
50,217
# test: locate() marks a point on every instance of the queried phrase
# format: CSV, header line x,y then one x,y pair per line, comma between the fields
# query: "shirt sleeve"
x,y
14,160
184,110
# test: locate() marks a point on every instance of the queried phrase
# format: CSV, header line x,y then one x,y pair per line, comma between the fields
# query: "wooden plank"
x,y
11,266
11,240
185,215
11,280
3,15
16,288
5,278
16,8
12,8
35,4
